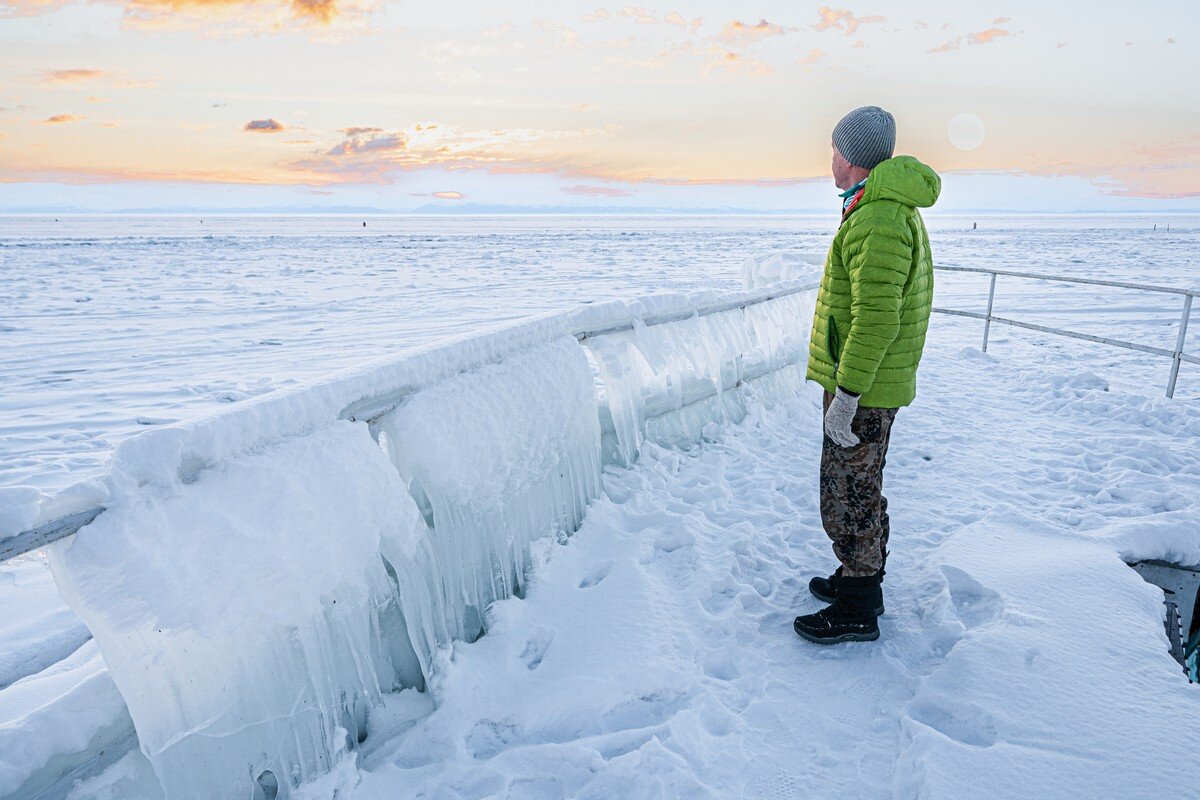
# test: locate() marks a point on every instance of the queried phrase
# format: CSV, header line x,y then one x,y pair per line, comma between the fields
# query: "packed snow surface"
x,y
651,654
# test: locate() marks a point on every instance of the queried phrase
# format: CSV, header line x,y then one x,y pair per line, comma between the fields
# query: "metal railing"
x,y
370,410
1177,355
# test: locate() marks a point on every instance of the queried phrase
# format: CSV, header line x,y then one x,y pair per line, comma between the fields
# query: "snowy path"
x,y
654,657
653,654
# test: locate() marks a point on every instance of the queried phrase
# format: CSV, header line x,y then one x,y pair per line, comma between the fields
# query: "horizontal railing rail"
x,y
370,410
1177,355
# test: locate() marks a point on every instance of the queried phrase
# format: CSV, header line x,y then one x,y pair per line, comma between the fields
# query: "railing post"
x,y
1175,359
987,323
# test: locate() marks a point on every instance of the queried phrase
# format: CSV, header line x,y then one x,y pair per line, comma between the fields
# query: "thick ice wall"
x,y
669,381
238,608
235,582
496,458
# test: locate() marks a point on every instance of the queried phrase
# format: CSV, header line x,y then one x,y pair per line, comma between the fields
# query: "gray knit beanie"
x,y
866,136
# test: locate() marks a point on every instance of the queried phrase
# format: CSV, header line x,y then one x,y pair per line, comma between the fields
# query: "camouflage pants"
x,y
853,508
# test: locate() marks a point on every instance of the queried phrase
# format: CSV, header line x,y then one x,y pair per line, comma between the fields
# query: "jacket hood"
x,y
905,180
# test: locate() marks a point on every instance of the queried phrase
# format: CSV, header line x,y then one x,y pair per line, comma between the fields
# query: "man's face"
x,y
841,170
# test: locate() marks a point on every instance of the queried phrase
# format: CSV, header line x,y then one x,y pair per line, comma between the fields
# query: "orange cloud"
x,y
61,119
318,10
596,191
737,64
29,8
71,75
814,56
979,37
324,18
449,195
946,47
989,35
743,33
639,15
263,126
843,20
597,15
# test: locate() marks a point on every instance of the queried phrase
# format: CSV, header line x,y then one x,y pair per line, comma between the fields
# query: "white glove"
x,y
838,417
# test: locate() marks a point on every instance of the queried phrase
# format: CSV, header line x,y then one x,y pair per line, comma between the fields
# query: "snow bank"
x,y
261,578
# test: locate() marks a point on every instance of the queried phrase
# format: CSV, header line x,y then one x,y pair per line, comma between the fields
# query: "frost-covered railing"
x,y
1177,355
258,580
372,408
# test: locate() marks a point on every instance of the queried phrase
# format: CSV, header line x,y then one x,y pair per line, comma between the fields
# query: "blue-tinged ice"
x,y
495,458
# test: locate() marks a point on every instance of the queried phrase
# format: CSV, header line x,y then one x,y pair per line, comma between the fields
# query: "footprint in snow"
x,y
536,647
961,721
974,603
597,574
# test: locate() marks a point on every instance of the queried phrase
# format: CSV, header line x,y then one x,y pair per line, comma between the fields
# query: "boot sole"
x,y
879,610
845,637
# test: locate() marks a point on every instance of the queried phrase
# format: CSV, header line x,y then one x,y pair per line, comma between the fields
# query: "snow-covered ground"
x,y
652,654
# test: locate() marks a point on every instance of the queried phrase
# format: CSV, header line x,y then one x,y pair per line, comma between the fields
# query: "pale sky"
x,y
221,103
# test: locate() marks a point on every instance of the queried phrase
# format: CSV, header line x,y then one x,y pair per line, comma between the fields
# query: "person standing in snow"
x,y
867,335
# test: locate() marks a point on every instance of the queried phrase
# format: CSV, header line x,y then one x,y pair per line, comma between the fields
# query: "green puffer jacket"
x,y
875,295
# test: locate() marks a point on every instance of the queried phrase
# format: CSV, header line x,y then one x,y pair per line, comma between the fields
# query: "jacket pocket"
x,y
831,341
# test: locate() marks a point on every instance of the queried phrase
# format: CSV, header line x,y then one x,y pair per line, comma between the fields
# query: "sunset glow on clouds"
x,y
702,104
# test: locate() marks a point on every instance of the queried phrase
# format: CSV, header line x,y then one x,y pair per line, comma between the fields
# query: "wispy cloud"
x,y
738,64
639,15
597,15
813,56
376,155
741,33
323,19
64,76
989,35
61,119
449,195
979,37
843,20
29,8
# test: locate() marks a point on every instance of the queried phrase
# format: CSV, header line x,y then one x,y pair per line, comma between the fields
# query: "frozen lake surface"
x,y
652,653
112,324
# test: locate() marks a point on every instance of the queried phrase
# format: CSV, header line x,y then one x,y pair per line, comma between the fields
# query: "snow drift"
x,y
261,578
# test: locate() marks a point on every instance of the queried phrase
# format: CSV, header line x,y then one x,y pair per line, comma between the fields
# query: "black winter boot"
x,y
825,589
851,618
